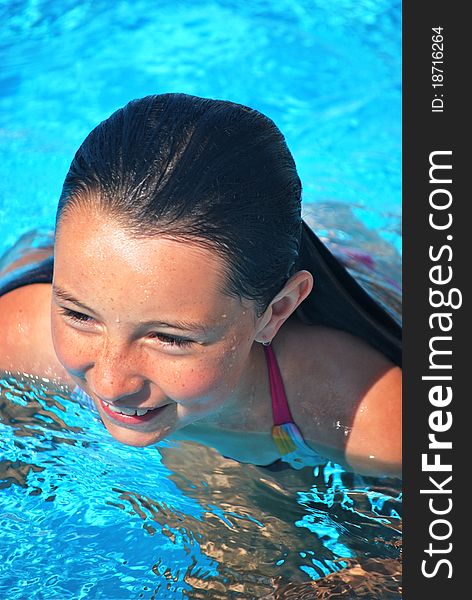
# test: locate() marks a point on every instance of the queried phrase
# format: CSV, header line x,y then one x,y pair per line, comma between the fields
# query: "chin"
x,y
137,439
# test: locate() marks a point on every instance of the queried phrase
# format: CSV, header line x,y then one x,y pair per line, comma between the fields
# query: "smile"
x,y
130,416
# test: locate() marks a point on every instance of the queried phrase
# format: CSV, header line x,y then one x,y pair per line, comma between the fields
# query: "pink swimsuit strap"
x,y
280,410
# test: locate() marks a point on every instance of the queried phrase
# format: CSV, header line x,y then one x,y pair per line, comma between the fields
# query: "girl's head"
x,y
208,171
178,231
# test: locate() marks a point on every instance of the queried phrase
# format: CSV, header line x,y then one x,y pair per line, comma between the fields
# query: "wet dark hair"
x,y
220,174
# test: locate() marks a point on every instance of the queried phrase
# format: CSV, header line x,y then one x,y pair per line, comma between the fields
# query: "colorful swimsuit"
x,y
286,434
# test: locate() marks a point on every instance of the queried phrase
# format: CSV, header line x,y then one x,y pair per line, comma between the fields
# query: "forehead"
x,y
95,257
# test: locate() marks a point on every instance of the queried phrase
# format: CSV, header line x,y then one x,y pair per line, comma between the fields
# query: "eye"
x,y
170,340
75,316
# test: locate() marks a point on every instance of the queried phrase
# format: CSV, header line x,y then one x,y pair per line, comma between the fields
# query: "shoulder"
x,y
25,341
375,443
328,354
345,395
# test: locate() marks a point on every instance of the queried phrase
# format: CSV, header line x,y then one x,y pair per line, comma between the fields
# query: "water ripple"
x,y
76,506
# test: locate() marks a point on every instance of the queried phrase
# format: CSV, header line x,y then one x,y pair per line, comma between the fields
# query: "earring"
x,y
266,343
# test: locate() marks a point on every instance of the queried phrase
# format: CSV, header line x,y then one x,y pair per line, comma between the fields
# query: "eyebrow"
x,y
63,295
182,325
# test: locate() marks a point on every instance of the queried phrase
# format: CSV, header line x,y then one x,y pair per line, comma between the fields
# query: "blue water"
x,y
328,73
82,516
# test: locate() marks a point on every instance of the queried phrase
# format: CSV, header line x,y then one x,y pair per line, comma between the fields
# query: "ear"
x,y
283,305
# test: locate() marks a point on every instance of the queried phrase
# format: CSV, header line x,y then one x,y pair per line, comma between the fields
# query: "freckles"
x,y
69,350
68,353
196,381
59,340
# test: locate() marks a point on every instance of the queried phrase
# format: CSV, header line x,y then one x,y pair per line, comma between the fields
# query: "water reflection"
x,y
28,405
184,521
369,253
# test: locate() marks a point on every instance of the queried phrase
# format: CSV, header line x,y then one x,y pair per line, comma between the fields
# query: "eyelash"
x,y
75,316
171,340
165,339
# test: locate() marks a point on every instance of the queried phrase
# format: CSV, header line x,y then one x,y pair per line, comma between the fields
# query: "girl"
x,y
187,298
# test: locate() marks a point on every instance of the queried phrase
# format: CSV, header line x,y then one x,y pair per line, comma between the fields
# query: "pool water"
x,y
82,516
328,73
85,517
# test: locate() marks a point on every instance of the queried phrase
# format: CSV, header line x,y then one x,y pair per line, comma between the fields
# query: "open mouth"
x,y
130,415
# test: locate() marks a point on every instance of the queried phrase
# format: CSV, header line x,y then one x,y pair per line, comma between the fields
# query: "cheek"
x,y
69,349
194,381
213,376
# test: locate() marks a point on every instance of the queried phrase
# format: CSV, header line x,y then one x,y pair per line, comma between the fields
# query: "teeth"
x,y
128,411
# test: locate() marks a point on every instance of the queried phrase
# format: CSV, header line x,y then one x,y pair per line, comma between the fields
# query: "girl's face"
x,y
144,324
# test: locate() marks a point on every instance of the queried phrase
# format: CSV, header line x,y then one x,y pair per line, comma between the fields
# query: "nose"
x,y
113,377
